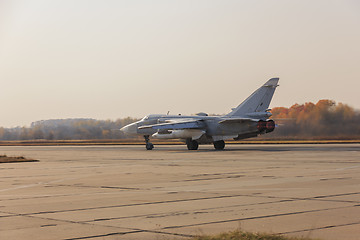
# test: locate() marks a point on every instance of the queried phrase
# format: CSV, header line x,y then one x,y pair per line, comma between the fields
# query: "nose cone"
x,y
130,129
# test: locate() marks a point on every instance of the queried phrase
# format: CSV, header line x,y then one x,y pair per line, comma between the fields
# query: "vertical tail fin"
x,y
258,101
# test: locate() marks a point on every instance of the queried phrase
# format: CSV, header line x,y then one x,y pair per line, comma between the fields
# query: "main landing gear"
x,y
149,145
192,144
219,145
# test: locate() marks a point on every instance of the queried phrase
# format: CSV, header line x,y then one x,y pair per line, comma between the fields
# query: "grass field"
x,y
7,159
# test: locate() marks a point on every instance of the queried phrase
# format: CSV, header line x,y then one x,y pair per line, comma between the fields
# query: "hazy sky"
x,y
108,59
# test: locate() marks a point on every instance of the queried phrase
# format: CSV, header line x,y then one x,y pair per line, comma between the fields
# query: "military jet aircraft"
x,y
249,119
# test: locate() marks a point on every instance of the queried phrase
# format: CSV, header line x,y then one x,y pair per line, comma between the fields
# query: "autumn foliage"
x,y
325,119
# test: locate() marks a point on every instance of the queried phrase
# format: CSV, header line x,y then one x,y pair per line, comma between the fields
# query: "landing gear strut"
x,y
149,145
192,144
219,145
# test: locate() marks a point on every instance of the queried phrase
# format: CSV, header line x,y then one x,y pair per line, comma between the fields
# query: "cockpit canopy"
x,y
202,114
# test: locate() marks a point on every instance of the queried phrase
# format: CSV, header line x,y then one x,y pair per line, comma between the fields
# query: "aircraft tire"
x,y
219,145
149,146
192,145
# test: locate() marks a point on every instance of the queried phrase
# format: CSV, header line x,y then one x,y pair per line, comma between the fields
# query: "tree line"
x,y
68,129
325,119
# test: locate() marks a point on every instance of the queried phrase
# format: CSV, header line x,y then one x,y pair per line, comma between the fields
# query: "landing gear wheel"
x,y
219,145
149,145
192,144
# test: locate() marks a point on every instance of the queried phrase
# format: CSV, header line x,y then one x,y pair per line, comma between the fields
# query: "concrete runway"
x,y
126,192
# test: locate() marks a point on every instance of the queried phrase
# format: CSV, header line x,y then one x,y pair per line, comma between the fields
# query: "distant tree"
x,y
24,134
50,135
2,132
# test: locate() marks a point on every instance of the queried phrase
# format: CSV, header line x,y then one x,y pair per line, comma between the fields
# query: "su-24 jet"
x,y
249,119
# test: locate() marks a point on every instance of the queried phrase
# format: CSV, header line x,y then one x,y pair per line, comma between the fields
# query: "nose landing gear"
x,y
149,145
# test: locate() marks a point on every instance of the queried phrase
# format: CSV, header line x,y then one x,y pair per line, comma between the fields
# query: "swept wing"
x,y
190,124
